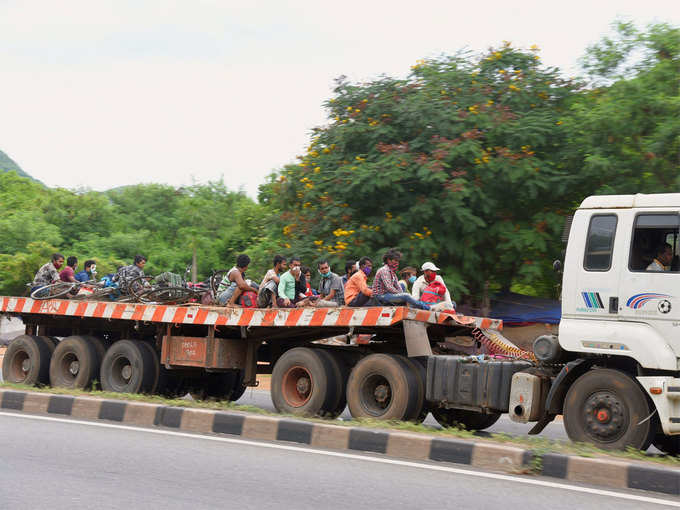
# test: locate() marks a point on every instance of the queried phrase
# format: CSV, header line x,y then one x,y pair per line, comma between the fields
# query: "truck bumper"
x,y
665,393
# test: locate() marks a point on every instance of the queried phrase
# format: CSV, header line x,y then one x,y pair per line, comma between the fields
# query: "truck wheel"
x,y
27,361
607,408
669,445
384,387
127,368
74,363
154,361
302,383
471,420
420,372
224,385
50,341
340,376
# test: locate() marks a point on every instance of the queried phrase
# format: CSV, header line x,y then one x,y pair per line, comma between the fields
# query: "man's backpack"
x,y
433,293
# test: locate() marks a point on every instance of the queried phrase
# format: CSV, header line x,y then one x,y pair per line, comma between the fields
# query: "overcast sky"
x,y
100,94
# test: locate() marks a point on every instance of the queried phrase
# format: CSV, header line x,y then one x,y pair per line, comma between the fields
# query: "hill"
x,y
7,164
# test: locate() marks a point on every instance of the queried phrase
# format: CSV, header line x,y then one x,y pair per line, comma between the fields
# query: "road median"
x,y
402,441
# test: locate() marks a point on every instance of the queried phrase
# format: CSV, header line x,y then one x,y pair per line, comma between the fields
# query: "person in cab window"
x,y
664,257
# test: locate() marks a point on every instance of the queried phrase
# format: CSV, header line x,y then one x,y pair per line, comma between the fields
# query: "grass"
x,y
539,446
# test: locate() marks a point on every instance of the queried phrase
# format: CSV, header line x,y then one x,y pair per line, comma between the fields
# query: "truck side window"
x,y
655,243
600,242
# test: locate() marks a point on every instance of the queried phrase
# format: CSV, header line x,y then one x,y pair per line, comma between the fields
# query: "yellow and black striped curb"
x,y
406,445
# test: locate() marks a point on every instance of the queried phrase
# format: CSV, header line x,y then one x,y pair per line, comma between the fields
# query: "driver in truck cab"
x,y
664,257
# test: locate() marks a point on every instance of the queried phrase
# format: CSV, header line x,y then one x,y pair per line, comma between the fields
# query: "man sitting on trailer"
x,y
48,273
234,283
126,274
429,276
68,274
266,297
89,273
331,289
386,288
357,291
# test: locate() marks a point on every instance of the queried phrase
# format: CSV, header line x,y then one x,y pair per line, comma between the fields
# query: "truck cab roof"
x,y
631,201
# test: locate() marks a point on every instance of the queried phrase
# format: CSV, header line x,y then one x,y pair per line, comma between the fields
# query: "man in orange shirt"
x,y
357,292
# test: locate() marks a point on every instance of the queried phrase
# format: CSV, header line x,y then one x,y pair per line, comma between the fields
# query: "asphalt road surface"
x,y
60,464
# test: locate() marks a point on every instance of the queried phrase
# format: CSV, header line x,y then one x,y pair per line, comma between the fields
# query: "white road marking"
x,y
366,458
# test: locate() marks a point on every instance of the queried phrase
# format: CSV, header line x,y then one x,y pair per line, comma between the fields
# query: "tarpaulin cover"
x,y
516,308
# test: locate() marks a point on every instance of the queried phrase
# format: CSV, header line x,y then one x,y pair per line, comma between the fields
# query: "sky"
x,y
99,94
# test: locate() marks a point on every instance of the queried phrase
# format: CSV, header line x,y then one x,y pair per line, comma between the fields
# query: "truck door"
x,y
591,278
650,282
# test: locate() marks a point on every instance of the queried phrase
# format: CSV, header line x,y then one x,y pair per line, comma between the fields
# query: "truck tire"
x,y
340,376
154,361
74,363
421,373
224,385
50,341
302,383
471,420
383,387
669,445
607,408
127,368
27,361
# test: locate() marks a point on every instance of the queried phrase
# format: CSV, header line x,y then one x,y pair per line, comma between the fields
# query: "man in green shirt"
x,y
286,290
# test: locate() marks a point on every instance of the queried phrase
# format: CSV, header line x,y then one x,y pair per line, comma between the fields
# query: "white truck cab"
x,y
620,326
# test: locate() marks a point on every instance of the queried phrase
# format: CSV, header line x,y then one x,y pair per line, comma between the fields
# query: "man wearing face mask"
x,y
357,291
386,289
48,273
89,273
331,291
430,275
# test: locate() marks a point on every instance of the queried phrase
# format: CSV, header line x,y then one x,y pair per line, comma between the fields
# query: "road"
x,y
554,431
54,463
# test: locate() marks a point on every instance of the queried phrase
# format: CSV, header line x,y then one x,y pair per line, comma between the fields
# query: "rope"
x,y
497,345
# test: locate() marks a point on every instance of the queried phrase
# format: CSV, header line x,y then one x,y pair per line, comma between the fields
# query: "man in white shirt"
x,y
429,275
664,257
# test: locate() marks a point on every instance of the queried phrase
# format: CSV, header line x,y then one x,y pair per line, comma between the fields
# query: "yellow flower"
x,y
317,169
309,185
306,205
489,102
318,243
349,108
501,71
533,47
344,121
287,245
337,118
559,122
357,111
326,150
364,100
388,215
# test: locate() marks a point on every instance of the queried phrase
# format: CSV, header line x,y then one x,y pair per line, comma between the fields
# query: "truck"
x,y
612,371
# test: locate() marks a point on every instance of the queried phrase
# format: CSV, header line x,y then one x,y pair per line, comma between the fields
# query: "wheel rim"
x,y
69,366
376,394
605,417
20,366
121,372
297,386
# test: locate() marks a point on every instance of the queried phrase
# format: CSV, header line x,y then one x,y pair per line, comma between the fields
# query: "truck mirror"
x,y
557,266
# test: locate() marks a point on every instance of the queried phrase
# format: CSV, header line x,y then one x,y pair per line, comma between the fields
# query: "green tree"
x,y
459,163
625,129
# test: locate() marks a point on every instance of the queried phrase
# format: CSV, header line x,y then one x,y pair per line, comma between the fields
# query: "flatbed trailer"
x,y
219,351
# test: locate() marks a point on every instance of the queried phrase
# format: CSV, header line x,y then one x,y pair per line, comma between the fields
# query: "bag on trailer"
x,y
169,279
248,299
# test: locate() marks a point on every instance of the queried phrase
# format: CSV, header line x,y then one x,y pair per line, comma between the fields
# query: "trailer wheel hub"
x,y
296,386
126,372
382,393
26,365
74,367
604,416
